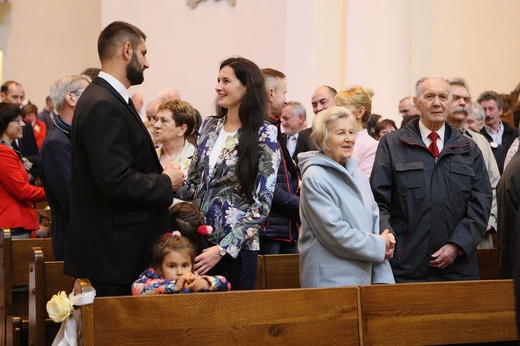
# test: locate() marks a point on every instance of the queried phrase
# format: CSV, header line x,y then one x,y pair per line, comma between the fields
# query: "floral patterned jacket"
x,y
235,220
150,282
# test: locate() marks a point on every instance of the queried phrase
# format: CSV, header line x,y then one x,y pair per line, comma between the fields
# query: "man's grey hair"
x,y
420,81
297,108
460,82
410,98
477,110
63,86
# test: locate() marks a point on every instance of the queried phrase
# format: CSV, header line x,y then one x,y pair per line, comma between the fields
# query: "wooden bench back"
x,y
488,264
285,317
46,278
14,255
260,273
438,313
282,271
405,314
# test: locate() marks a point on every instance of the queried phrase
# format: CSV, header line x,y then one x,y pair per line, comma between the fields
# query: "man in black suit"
x,y
120,194
322,98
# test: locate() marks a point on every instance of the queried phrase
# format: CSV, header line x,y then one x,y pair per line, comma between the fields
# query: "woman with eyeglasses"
x,y
17,196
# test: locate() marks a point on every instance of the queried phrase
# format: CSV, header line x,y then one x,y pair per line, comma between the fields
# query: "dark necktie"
x,y
433,146
131,103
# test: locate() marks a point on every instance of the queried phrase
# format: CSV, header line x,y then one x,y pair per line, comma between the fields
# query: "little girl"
x,y
173,270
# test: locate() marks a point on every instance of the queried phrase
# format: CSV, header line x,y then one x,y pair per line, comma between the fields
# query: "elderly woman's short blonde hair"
x,y
322,121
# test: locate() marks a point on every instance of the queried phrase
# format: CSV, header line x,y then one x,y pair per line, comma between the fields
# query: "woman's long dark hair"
x,y
252,113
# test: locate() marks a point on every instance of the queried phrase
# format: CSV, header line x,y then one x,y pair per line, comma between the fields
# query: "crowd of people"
x,y
154,199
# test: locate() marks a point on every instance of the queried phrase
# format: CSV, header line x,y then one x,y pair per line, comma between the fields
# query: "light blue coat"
x,y
340,244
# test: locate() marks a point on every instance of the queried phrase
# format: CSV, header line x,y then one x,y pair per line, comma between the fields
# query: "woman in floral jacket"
x,y
233,173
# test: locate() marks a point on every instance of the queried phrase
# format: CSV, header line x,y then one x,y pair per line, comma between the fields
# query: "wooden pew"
x,y
282,271
404,314
285,317
46,278
438,313
14,273
488,264
260,273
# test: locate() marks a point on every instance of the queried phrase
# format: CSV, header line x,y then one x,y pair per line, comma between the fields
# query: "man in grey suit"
x,y
120,194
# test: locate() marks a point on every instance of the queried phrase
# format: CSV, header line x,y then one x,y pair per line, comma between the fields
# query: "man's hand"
x,y
445,256
173,170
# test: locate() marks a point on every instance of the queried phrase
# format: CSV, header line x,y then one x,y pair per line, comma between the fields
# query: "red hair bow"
x,y
204,230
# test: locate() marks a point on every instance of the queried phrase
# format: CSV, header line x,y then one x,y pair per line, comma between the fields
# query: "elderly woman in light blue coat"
x,y
340,244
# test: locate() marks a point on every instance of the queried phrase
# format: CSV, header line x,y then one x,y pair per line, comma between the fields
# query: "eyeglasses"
x,y
18,119
77,92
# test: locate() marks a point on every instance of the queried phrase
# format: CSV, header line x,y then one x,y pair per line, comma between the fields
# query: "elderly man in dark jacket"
x,y
433,192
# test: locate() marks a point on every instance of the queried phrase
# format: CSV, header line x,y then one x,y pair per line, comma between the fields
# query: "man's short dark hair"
x,y
5,87
91,72
114,35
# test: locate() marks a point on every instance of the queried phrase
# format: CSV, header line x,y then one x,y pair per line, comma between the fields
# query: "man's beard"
x,y
134,71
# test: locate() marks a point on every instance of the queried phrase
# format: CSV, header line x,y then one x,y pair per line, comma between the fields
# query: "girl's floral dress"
x,y
150,282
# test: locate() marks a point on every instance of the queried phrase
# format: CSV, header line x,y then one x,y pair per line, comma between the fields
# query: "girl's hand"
x,y
179,284
199,284
184,281
207,260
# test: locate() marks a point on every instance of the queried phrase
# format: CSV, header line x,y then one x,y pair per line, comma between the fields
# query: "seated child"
x,y
172,271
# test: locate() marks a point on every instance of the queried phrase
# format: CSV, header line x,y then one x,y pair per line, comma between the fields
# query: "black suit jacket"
x,y
119,198
45,116
304,143
28,148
